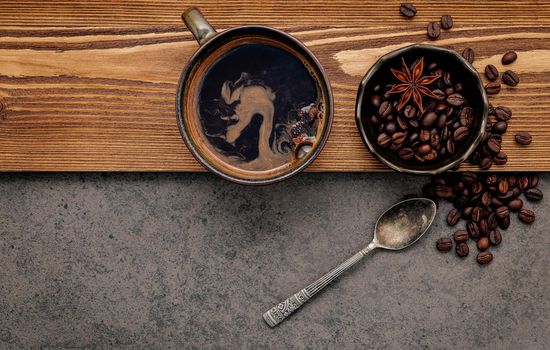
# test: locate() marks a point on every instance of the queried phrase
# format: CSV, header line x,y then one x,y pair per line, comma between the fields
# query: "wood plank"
x,y
90,85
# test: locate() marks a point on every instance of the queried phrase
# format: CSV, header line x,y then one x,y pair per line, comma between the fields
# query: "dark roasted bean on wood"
x,y
509,57
407,10
491,72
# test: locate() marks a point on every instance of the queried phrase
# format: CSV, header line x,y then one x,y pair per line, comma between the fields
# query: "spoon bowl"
x,y
404,223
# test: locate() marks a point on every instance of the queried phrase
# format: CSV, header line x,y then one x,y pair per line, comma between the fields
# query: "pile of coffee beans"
x,y
489,151
424,136
485,202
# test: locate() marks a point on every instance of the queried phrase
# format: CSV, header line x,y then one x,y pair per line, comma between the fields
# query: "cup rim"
x,y
362,127
193,61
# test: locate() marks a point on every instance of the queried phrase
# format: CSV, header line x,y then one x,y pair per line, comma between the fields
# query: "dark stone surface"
x,y
164,261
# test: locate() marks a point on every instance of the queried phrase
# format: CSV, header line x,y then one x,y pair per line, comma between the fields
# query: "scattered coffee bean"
x,y
468,55
509,57
473,229
526,215
503,113
500,158
462,249
384,140
483,243
502,212
515,204
461,236
453,217
444,244
499,127
495,237
534,194
455,99
533,181
446,21
510,78
504,223
407,10
484,258
523,183
486,163
493,145
491,72
492,88
433,30
523,138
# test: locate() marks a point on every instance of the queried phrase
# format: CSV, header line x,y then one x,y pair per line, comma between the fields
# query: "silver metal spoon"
x,y
399,227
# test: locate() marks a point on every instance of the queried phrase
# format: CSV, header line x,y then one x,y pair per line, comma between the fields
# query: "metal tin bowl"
x,y
476,95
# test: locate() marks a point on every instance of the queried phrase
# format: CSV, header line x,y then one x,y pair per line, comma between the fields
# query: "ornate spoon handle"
x,y
278,313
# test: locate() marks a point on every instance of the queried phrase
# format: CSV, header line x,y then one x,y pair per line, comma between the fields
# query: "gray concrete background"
x,y
189,261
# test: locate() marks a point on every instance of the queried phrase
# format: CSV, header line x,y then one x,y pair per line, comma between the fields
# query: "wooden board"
x,y
90,85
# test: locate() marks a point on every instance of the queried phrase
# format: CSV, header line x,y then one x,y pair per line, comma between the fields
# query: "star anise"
x,y
413,85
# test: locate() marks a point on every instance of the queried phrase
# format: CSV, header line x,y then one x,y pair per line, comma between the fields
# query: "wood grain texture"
x,y
90,85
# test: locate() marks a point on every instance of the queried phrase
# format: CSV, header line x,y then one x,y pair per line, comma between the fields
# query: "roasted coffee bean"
x,y
523,182
491,179
444,244
383,140
509,57
440,107
499,127
515,204
534,194
407,10
504,223
523,138
376,100
440,95
473,229
424,135
453,217
446,22
486,199
503,185
398,138
431,155
447,78
506,196
483,243
467,211
491,72
406,153
466,116
434,140
455,99
409,112
443,191
476,187
533,181
486,163
483,226
391,127
461,236
433,30
385,109
516,191
510,78
492,88
450,147
526,215
462,250
495,237
493,145
461,133
500,158
428,119
502,212
492,221
402,123
468,55
424,149
441,121
476,214
503,113
484,258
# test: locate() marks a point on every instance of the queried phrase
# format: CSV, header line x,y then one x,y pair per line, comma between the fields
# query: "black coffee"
x,y
260,106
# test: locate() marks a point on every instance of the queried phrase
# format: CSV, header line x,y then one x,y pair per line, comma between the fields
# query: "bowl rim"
x,y
362,91
194,60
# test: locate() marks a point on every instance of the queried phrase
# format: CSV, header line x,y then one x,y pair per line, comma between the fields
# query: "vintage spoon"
x,y
399,227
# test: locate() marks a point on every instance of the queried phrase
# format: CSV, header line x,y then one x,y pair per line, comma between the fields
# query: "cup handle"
x,y
198,25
